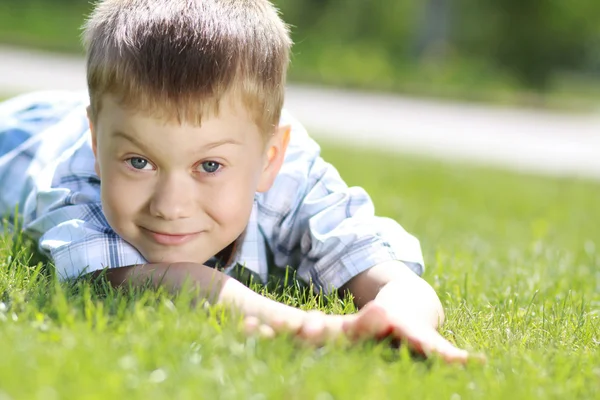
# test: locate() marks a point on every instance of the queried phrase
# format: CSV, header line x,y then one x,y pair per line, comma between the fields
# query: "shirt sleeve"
x,y
68,222
30,125
313,221
62,211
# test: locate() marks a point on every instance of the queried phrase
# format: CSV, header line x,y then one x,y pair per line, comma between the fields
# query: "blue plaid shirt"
x,y
309,220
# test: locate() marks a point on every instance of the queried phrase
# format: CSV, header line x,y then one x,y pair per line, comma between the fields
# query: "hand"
x,y
371,322
374,322
312,327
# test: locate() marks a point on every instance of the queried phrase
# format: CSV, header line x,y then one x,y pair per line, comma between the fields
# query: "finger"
x,y
285,325
265,331
319,328
431,342
253,326
313,328
478,358
371,322
450,353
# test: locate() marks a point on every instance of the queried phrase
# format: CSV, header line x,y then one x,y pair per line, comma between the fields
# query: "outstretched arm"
x,y
262,315
211,284
392,305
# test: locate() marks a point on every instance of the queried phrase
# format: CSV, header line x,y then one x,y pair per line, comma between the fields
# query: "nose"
x,y
173,198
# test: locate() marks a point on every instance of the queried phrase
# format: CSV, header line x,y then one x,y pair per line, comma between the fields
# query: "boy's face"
x,y
178,192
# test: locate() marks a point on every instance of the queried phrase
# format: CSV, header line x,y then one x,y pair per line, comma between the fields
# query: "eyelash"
x,y
128,162
219,168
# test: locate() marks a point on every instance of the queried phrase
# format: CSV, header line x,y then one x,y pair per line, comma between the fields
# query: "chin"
x,y
172,257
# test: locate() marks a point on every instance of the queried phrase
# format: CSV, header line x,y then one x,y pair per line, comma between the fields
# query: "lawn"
x,y
514,259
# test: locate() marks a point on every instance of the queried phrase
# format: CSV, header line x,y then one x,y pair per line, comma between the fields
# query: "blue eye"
x,y
138,162
210,166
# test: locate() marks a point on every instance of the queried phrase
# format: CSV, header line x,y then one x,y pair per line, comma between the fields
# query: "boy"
x,y
189,163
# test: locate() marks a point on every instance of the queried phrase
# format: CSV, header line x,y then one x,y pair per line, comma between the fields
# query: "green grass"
x,y
514,258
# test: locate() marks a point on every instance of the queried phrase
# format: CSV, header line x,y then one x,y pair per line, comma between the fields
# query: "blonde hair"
x,y
179,58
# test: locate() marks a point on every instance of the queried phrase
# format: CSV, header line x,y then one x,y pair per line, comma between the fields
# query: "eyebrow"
x,y
219,143
123,135
208,146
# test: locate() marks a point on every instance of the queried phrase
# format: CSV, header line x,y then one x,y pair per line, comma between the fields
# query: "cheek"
x,y
121,198
232,201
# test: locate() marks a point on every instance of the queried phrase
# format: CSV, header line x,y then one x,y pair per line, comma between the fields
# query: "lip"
x,y
169,239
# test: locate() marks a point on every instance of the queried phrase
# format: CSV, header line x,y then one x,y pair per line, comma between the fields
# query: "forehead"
x,y
228,110
232,120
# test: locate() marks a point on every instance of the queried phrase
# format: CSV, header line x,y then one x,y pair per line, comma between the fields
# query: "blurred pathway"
x,y
532,141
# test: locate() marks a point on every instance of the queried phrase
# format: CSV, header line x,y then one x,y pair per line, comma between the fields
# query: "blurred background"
x,y
539,52
532,54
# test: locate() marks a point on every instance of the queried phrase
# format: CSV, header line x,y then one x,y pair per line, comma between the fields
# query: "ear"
x,y
275,154
94,139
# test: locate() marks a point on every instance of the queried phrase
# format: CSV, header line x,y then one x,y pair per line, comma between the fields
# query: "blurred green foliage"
x,y
47,24
531,39
517,42
464,48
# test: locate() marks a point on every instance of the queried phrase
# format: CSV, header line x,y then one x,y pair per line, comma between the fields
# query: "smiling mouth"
x,y
169,239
